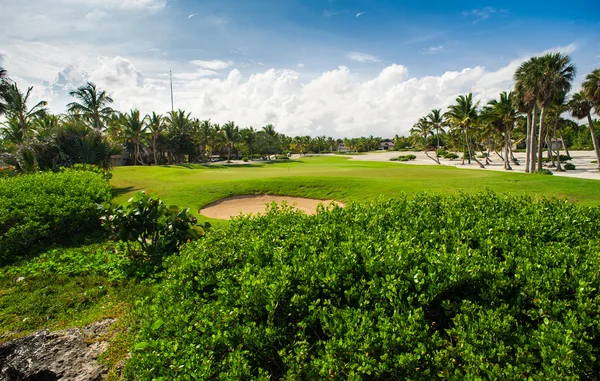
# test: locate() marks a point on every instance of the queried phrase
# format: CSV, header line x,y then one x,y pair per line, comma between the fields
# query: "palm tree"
x,y
463,115
134,129
4,85
581,107
156,125
249,137
505,114
556,75
527,88
205,130
17,109
423,129
232,135
93,105
591,88
437,122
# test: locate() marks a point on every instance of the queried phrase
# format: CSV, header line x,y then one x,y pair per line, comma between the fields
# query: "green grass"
x,y
339,178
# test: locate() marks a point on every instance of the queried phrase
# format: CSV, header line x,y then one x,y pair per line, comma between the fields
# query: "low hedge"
x,y
461,287
47,208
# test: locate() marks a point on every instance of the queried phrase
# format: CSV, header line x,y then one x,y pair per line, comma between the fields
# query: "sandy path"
x,y
581,159
229,207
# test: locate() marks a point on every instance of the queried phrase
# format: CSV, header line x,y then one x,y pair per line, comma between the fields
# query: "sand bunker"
x,y
232,206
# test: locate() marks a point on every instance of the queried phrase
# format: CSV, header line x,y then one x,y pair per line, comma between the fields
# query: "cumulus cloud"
x,y
213,64
336,103
362,57
300,65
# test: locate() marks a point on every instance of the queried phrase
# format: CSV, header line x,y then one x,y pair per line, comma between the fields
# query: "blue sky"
x,y
309,67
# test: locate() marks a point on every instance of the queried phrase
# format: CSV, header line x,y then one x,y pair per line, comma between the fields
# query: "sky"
x,y
315,67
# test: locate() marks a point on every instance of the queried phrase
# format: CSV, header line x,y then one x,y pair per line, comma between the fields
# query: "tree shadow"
x,y
118,191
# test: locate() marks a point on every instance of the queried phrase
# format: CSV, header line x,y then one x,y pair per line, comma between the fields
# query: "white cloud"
x,y
360,14
300,65
362,57
152,5
483,13
192,15
213,64
433,49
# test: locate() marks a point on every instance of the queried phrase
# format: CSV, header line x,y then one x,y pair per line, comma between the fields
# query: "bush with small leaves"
x,y
149,228
569,166
463,287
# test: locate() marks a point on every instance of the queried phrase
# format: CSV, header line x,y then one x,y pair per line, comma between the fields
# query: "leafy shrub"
x,y
149,228
544,171
464,287
8,171
569,166
563,158
408,157
281,157
245,159
451,156
393,159
46,208
442,153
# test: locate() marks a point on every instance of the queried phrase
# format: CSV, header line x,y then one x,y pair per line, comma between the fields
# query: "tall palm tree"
x,y
504,112
134,129
527,89
205,131
17,109
463,115
156,125
232,135
422,130
581,107
437,122
591,88
556,75
93,104
249,137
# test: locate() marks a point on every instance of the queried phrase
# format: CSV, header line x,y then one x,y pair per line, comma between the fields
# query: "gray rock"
x,y
70,354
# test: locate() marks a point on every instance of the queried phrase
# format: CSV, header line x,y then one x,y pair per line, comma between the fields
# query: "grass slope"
x,y
337,178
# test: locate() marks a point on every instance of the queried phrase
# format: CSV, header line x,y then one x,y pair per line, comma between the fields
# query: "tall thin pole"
x,y
171,79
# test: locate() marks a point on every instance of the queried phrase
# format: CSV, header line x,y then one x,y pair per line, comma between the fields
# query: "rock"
x,y
70,354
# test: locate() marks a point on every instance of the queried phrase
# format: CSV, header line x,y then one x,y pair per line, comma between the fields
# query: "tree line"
x,y
91,131
530,115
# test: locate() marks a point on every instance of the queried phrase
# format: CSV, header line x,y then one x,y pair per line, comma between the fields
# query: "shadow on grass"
x,y
118,191
223,165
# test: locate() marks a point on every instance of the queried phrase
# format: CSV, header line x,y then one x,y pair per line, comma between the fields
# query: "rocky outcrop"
x,y
70,354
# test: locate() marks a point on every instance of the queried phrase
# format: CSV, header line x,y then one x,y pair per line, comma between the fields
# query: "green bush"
x,y
563,158
569,166
47,208
464,287
451,156
394,159
245,159
149,228
281,157
408,157
545,171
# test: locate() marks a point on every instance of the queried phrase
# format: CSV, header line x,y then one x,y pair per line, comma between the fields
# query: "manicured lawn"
x,y
337,178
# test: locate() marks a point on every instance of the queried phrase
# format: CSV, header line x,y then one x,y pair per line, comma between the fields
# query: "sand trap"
x,y
232,206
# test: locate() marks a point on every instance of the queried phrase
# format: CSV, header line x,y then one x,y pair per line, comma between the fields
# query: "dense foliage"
x,y
464,287
48,207
149,228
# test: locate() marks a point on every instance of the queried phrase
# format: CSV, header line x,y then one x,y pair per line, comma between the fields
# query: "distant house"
x,y
557,144
386,144
342,147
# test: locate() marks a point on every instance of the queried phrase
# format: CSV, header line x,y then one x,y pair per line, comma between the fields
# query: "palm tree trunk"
x,y
558,166
564,143
549,151
540,140
228,151
154,149
528,142
507,149
469,149
135,153
532,140
594,139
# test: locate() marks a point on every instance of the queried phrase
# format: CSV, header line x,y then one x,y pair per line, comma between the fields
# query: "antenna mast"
x,y
171,79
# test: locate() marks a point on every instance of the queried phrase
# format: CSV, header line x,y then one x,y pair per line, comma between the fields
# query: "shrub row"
x,y
462,287
48,207
408,157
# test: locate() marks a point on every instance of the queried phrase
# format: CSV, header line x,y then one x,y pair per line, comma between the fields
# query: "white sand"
x,y
581,159
229,207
